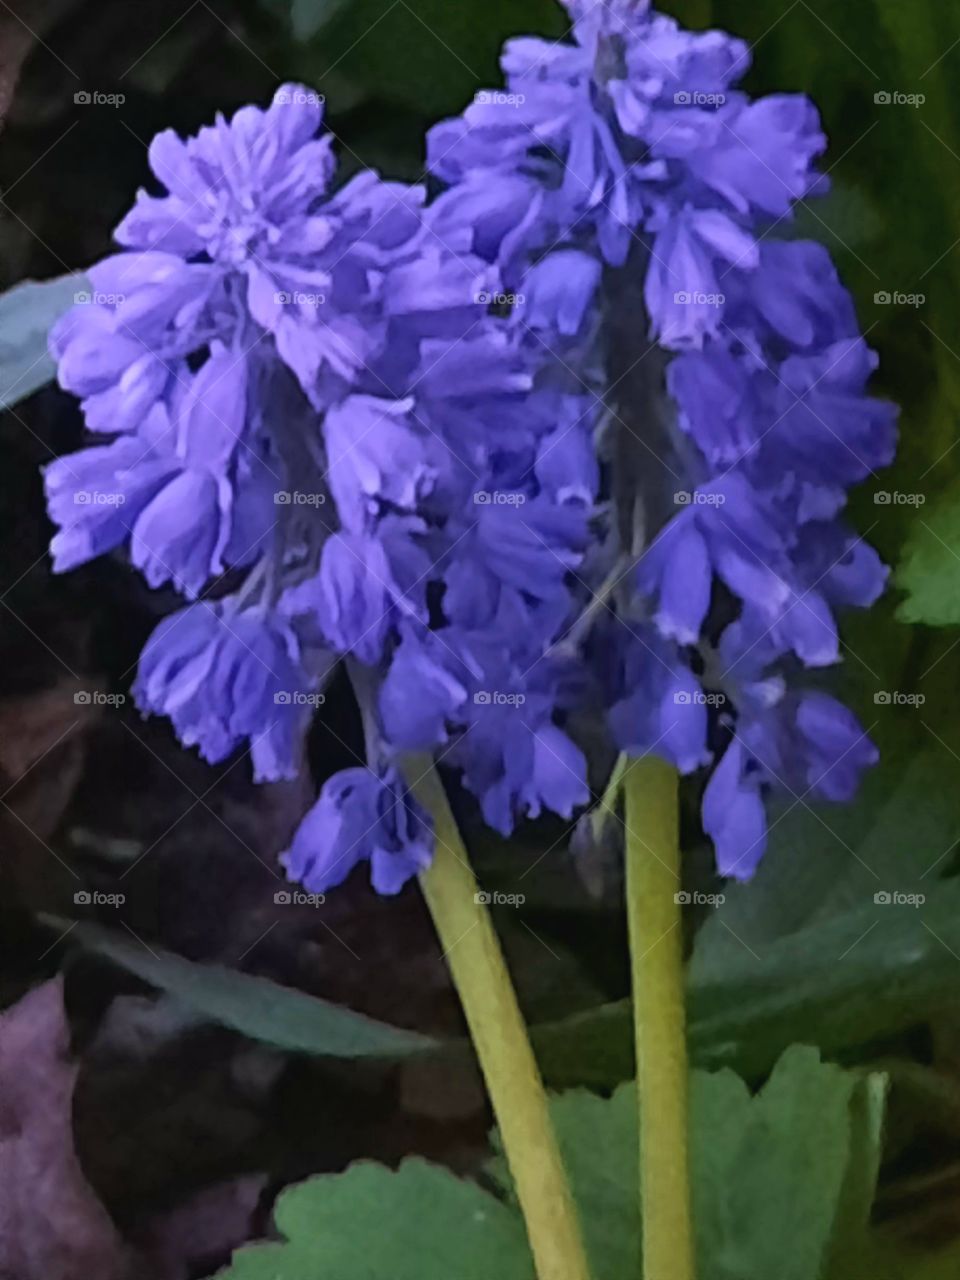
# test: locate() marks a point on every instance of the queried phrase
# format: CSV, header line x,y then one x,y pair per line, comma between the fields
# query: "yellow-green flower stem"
x,y
656,949
473,954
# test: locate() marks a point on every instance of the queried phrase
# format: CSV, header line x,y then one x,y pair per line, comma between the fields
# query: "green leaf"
x,y
778,1178
27,313
769,1171
804,952
598,1143
594,1049
255,1006
420,1223
818,947
797,1162
823,859
864,973
851,1235
930,569
307,18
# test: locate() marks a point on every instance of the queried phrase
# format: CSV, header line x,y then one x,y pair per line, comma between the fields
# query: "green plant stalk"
x,y
656,952
476,963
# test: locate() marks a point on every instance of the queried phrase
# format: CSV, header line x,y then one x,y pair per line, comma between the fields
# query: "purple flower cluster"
x,y
328,438
644,182
357,424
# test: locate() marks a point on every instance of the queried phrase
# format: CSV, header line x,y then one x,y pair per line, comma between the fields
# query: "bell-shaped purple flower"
x,y
225,678
361,816
684,292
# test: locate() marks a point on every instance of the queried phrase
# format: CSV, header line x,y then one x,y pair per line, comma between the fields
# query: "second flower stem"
x,y
500,1039
656,949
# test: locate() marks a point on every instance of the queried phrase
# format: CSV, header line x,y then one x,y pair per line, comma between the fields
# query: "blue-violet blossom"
x,y
571,439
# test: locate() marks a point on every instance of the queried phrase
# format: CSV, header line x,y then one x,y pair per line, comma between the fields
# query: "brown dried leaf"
x,y
22,26
51,1222
32,727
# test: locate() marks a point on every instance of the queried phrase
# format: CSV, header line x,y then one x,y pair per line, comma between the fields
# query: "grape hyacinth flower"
x,y
332,465
566,444
657,181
